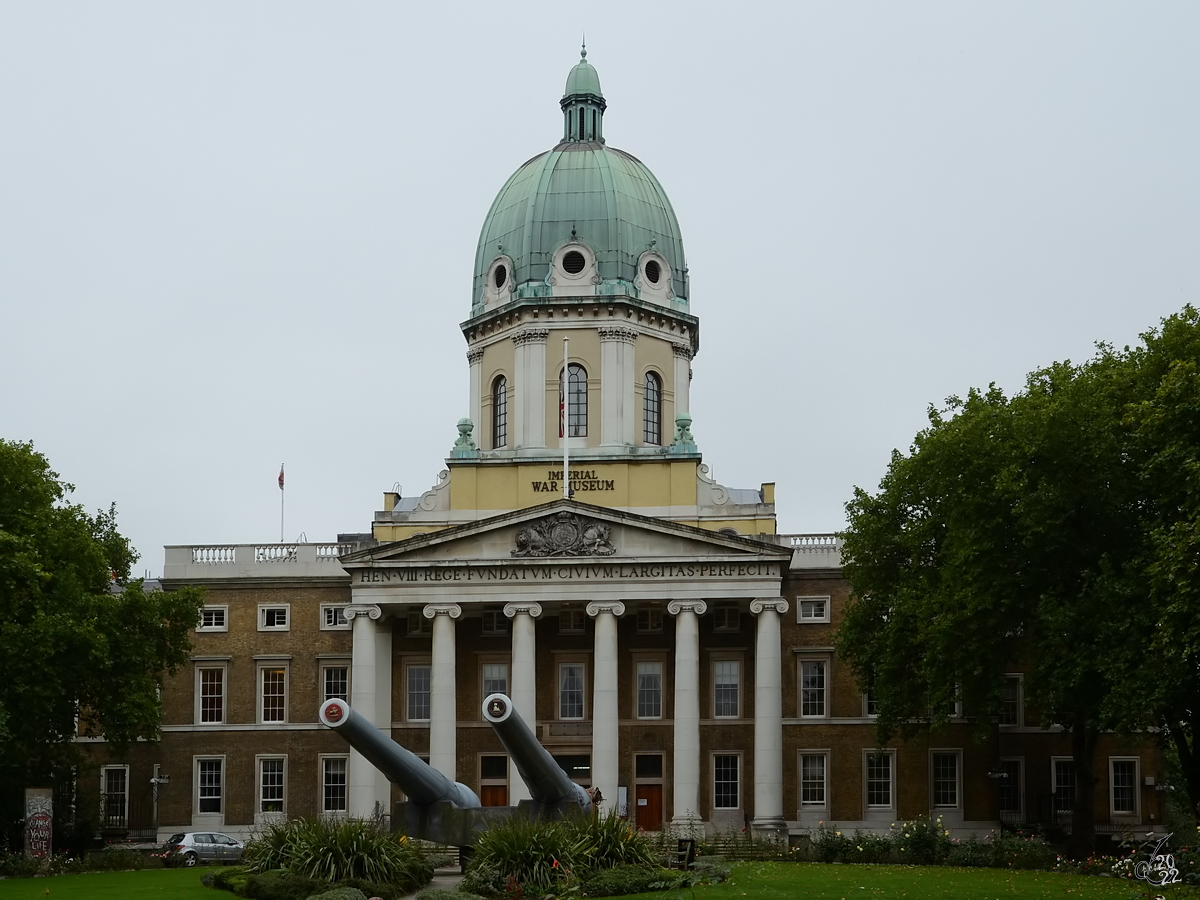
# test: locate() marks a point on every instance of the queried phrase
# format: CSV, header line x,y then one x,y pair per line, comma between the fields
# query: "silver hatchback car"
x,y
205,846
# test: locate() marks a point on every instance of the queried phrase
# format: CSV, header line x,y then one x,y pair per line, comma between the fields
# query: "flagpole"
x,y
281,495
566,420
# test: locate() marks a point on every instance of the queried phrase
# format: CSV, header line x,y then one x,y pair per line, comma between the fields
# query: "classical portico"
x,y
594,570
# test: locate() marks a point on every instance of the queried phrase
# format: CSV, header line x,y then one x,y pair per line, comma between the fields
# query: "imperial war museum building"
x,y
667,645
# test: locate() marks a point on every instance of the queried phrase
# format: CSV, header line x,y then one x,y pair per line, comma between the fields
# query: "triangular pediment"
x,y
567,531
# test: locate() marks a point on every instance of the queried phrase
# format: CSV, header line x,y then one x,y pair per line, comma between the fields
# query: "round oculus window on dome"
x,y
573,262
653,271
499,276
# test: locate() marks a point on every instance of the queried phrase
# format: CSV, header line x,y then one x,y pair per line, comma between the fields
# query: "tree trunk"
x,y
1083,825
1183,738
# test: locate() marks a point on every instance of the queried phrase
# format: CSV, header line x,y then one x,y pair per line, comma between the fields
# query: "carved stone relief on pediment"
x,y
564,534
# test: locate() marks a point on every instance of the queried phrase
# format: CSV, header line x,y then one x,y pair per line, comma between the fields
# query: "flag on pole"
x,y
562,412
281,476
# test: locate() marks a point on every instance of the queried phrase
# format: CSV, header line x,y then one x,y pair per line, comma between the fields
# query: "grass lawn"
x,y
149,884
788,881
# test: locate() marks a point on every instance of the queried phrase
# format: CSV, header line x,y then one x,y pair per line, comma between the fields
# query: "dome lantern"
x,y
583,103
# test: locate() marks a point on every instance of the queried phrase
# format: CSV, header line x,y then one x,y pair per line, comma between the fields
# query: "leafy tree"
x,y
76,636
1011,535
1165,423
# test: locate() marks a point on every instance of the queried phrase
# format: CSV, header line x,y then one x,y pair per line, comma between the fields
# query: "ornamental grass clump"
x,y
334,850
549,857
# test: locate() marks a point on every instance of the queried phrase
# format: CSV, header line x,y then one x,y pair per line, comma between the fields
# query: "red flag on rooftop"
x,y
281,476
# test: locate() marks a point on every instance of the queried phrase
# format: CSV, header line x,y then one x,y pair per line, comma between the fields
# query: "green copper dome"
x,y
582,190
583,79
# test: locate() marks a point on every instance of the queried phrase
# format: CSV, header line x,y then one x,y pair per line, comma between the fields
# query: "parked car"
x,y
205,846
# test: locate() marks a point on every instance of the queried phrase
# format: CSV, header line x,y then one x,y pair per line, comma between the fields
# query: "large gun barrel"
x,y
423,784
547,782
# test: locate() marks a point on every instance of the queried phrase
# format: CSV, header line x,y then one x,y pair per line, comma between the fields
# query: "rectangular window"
x,y
812,609
726,688
417,623
333,784
336,683
116,796
727,617
209,785
570,691
212,696
1010,791
1123,781
1010,701
870,698
495,678
270,781
570,621
812,688
649,690
725,782
812,779
274,694
273,618
1064,785
214,618
879,780
332,618
945,779
418,693
494,622
650,620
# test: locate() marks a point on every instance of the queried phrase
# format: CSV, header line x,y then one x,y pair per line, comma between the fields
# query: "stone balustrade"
x,y
223,561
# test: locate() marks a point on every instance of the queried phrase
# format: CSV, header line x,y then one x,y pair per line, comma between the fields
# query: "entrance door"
x,y
649,807
493,794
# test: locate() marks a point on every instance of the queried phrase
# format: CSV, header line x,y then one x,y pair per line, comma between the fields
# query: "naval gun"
x,y
449,812
555,793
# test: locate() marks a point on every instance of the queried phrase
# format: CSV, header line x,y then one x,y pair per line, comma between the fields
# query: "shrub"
x,y
116,859
232,880
538,856
1020,850
280,885
333,850
970,852
923,841
375,888
340,893
829,844
868,847
605,841
620,880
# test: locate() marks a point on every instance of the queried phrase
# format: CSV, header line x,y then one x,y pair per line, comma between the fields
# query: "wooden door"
x,y
493,794
649,807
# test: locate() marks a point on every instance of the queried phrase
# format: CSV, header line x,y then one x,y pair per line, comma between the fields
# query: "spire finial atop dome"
x,y
583,103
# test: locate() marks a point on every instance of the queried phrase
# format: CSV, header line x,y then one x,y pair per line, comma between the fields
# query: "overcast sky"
x,y
239,234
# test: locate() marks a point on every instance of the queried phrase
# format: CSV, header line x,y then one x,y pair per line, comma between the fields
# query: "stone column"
x,y
443,723
683,379
529,388
605,747
523,689
363,778
686,765
617,412
768,717
475,359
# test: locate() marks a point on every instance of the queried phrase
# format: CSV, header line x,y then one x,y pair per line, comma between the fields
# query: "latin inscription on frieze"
x,y
601,572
